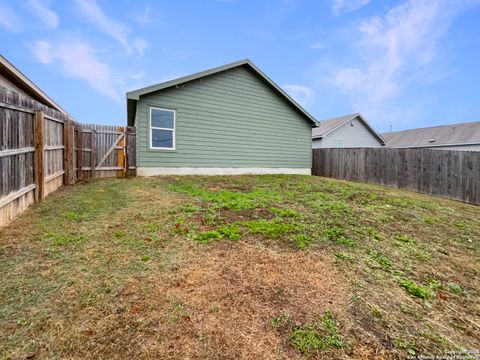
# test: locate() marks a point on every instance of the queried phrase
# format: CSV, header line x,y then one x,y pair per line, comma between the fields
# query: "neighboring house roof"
x,y
134,96
16,77
330,125
444,135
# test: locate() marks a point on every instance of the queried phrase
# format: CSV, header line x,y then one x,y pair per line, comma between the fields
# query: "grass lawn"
x,y
254,267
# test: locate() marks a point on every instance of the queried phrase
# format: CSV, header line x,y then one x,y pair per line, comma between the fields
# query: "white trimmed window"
x,y
162,129
339,143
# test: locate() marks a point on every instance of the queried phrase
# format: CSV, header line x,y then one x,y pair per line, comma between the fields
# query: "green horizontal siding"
x,y
230,119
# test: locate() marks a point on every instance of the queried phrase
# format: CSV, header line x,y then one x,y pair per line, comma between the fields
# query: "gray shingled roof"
x,y
445,135
329,125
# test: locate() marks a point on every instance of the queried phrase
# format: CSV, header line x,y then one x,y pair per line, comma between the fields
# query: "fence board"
x,y
447,173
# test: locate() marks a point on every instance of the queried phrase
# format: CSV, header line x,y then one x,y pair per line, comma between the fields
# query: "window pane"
x,y
162,118
162,138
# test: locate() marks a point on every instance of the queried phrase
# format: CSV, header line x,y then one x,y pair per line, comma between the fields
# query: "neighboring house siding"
x,y
352,136
229,119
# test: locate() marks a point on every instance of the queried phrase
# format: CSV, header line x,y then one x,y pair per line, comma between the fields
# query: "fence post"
x,y
92,153
79,153
68,151
65,147
39,156
71,132
126,153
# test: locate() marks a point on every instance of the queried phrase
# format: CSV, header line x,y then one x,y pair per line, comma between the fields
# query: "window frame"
x,y
173,130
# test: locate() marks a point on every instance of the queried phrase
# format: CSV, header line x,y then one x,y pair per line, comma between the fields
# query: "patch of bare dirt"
x,y
221,304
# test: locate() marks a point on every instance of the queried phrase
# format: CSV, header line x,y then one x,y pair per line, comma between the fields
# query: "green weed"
x,y
415,289
179,312
337,235
145,257
376,312
60,239
455,288
430,219
356,298
301,241
75,215
405,240
207,237
153,227
269,228
437,338
319,336
423,255
380,259
87,298
410,345
344,256
120,234
284,212
277,322
230,231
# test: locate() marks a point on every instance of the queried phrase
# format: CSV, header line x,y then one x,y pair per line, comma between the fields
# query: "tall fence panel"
x,y
42,149
448,173
31,144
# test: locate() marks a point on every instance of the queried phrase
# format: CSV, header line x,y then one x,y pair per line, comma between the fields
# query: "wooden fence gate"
x,y
107,151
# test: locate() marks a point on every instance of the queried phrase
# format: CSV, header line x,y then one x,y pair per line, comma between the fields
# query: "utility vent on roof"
x,y
432,140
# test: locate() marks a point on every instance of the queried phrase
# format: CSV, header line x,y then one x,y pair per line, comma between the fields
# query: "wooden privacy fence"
x,y
448,173
42,149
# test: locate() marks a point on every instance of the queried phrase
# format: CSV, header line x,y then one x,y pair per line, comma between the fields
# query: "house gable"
x,y
135,95
231,118
348,131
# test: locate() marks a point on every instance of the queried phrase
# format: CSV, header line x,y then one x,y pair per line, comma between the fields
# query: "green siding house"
x,y
228,120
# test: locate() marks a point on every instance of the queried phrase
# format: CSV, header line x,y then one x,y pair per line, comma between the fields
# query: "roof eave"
x,y
136,94
379,137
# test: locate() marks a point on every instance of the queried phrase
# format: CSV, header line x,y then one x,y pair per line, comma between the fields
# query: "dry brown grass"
x,y
111,269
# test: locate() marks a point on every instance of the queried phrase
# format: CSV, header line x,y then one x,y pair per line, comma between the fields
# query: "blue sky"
x,y
404,64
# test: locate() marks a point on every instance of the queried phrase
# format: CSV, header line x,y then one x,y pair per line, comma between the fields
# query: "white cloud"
x,y
140,45
318,45
93,13
9,19
77,60
301,94
43,13
145,18
346,6
395,51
